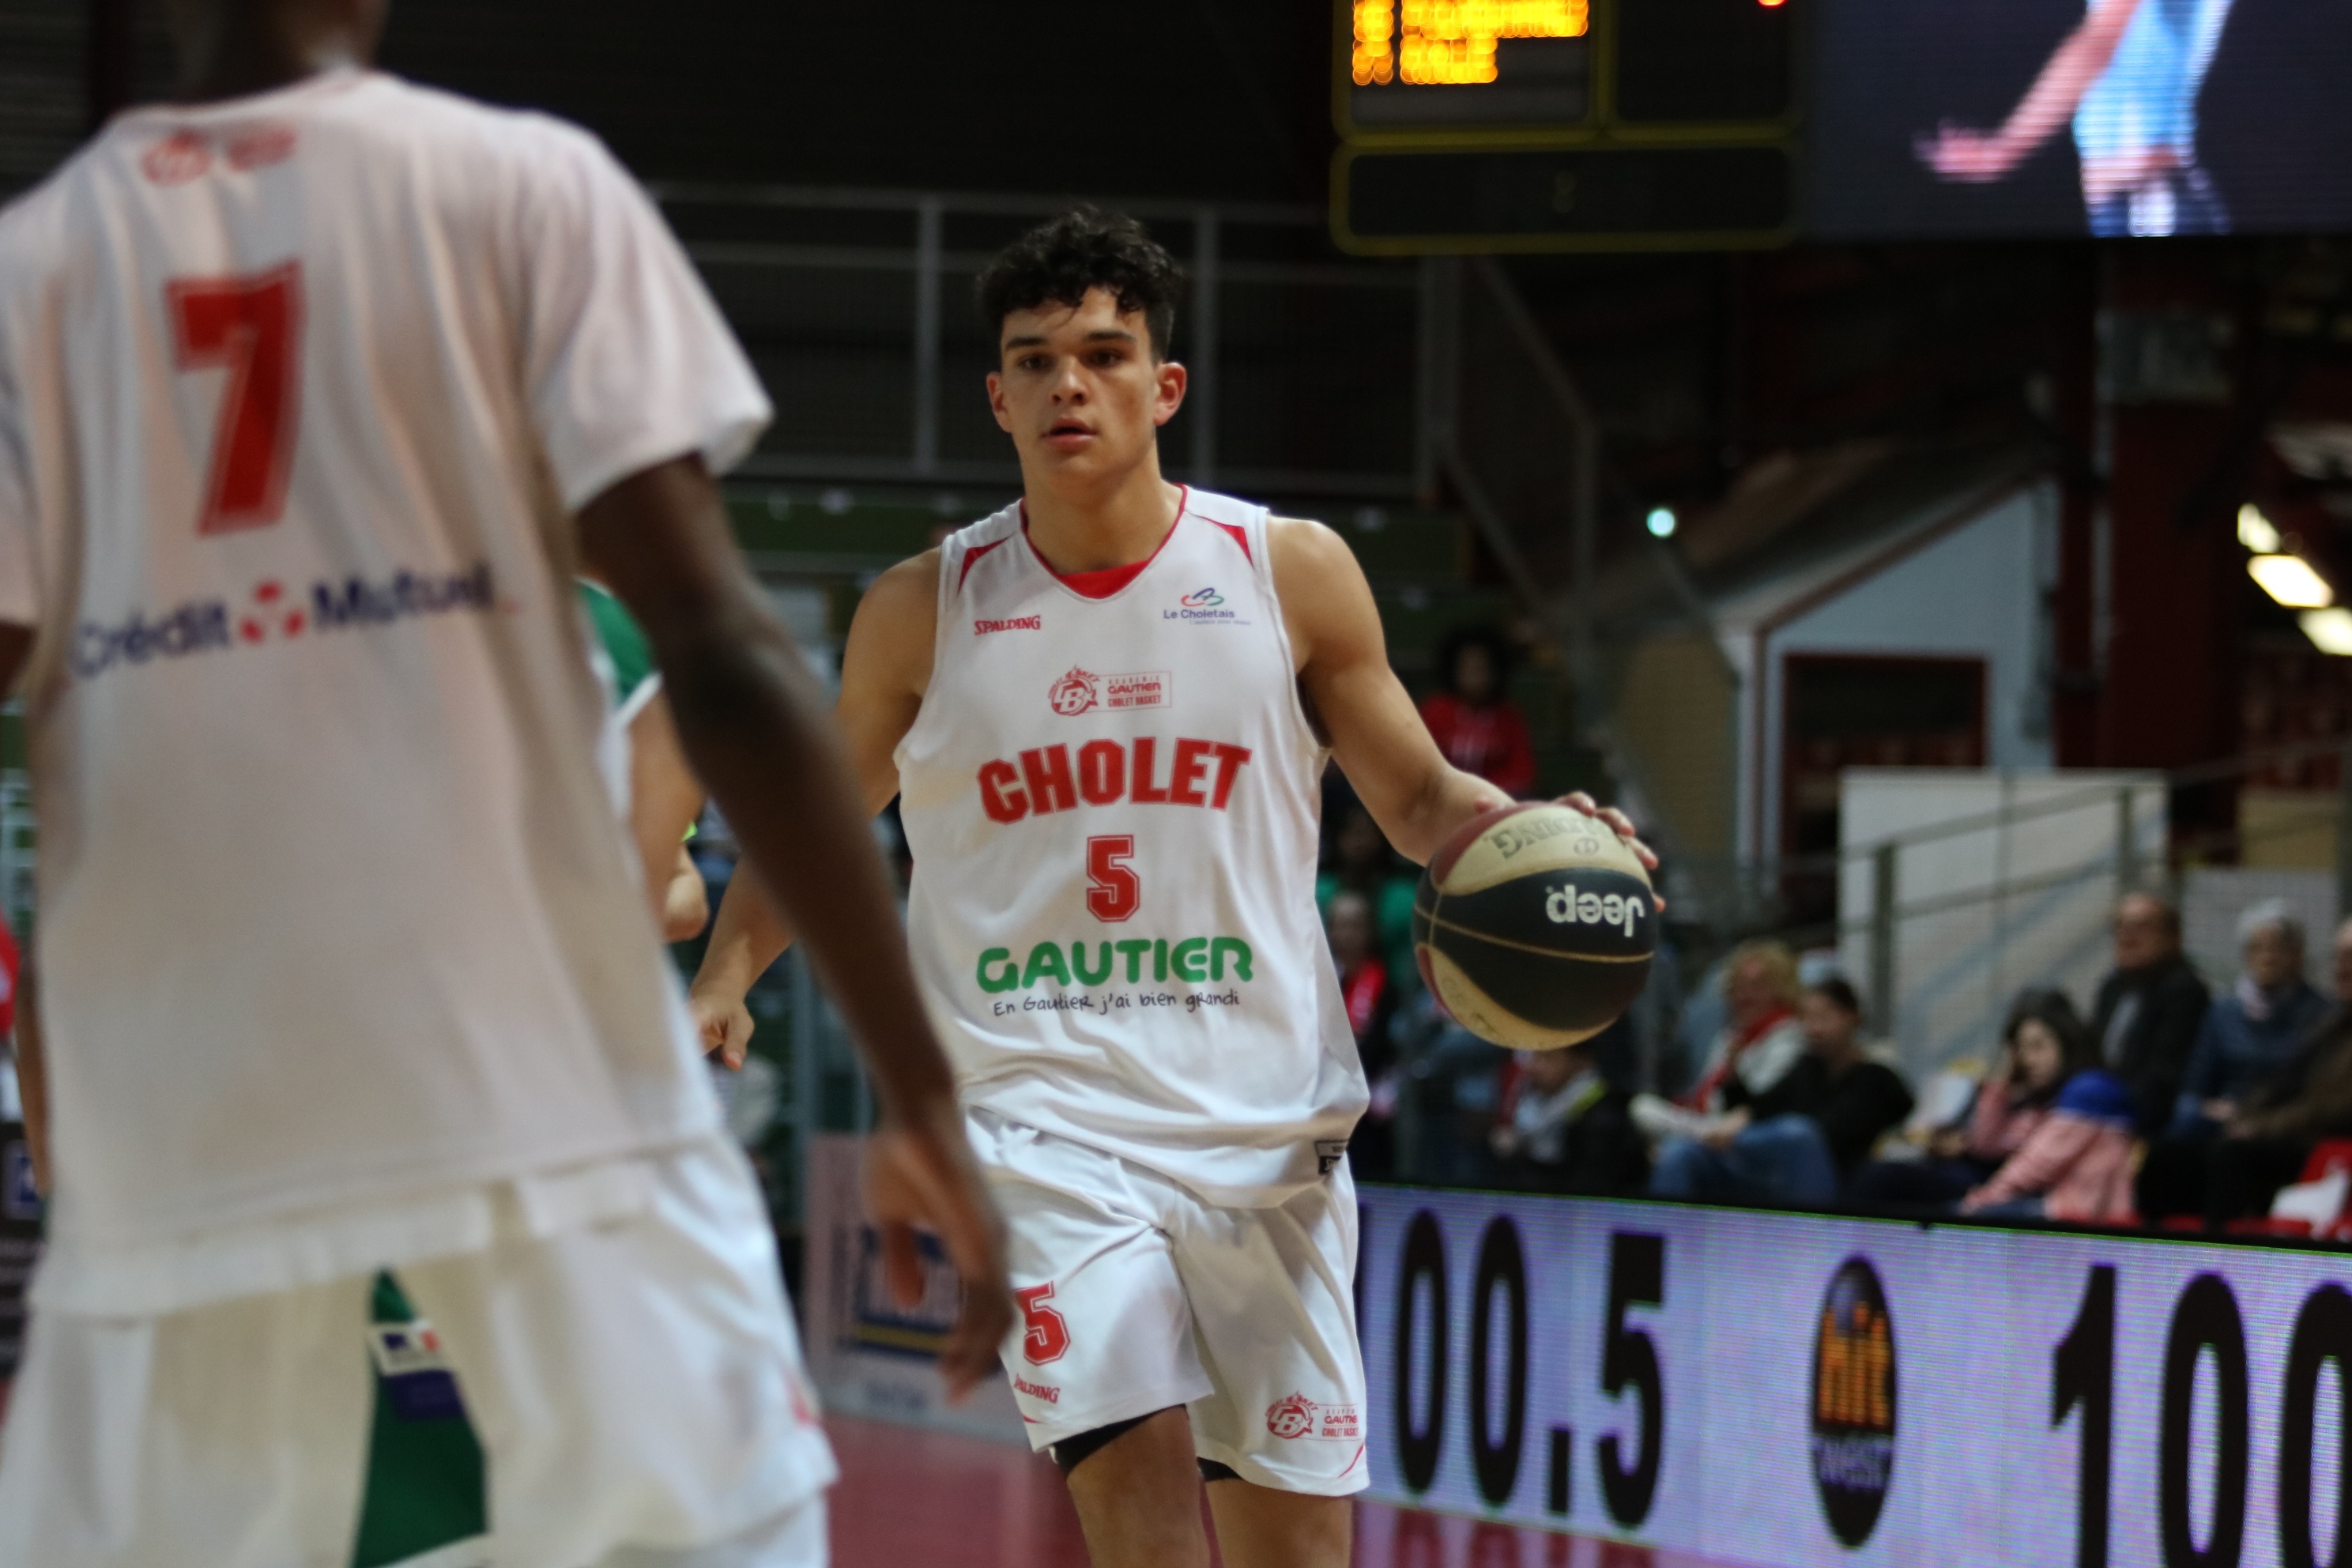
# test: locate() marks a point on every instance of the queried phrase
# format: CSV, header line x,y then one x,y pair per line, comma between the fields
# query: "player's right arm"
x,y
1976,157
754,724
885,671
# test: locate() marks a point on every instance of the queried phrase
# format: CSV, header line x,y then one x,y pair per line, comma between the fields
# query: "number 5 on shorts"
x,y
1048,1335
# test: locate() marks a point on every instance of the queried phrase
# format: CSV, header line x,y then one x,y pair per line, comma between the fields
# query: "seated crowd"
x,y
2167,1106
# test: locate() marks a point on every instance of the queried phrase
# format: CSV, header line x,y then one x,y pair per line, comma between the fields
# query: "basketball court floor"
x,y
910,1499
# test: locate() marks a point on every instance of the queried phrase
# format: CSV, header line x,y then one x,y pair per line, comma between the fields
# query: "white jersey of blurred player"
x,y
344,963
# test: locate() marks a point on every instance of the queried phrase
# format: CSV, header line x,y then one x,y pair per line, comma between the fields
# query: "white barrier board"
x,y
868,1355
1785,1390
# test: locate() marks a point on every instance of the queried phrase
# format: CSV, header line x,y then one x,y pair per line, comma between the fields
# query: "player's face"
x,y
1079,391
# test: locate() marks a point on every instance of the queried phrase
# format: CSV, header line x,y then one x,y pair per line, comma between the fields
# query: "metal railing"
x,y
1941,923
854,304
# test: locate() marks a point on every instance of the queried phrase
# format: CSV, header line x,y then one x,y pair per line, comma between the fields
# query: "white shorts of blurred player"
x,y
636,1386
1136,1296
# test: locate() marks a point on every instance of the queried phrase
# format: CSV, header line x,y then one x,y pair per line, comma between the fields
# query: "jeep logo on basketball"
x,y
1853,1401
1567,907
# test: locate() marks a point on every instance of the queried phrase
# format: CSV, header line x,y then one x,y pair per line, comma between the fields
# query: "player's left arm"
x,y
686,902
1361,708
664,799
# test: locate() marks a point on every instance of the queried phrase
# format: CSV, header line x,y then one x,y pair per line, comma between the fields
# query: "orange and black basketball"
x,y
1535,925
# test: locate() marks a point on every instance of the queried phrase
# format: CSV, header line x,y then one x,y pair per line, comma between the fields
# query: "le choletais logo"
x,y
1201,604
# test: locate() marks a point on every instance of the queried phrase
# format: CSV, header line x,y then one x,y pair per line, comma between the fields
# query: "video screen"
x,y
2112,119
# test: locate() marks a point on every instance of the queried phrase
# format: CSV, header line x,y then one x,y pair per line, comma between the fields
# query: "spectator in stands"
x,y
1451,1088
2149,1009
1370,1000
2249,1036
2269,1135
1567,1129
1729,1136
1861,1095
2075,1162
1760,1039
2042,1044
1480,730
2255,1030
1363,864
1795,1141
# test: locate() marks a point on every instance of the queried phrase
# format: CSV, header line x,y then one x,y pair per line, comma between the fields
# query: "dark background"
x,y
1223,99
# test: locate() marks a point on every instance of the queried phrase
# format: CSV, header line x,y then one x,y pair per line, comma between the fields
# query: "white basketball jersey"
x,y
1113,807
297,394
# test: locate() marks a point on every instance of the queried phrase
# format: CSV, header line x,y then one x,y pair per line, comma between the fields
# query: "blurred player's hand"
x,y
1621,825
723,1022
1969,157
919,1173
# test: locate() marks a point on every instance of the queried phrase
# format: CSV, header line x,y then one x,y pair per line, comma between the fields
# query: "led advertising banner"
x,y
1778,1390
2116,118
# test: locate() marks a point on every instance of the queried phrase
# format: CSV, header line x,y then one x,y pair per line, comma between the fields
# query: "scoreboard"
x,y
1564,124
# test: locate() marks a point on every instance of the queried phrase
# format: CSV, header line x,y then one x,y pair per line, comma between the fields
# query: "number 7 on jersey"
x,y
252,328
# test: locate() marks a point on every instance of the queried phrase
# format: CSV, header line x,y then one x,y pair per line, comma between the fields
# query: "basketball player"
x,y
1105,711
649,774
2128,77
309,383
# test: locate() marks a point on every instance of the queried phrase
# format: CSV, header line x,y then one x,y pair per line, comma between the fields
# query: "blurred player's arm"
x,y
884,671
1976,157
686,902
33,1073
665,798
32,1063
751,721
1362,709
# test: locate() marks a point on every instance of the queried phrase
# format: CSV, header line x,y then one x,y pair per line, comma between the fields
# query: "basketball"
x,y
1535,925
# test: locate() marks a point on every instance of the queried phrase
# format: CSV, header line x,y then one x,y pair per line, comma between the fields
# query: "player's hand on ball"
x,y
723,1023
919,1173
1619,823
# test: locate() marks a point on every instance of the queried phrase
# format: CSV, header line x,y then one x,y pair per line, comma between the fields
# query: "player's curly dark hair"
x,y
1058,261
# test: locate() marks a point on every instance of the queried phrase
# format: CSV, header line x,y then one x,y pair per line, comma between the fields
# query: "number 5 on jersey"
x,y
252,328
1117,891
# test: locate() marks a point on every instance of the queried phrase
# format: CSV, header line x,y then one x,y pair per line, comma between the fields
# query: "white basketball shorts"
x,y
636,1385
1136,1296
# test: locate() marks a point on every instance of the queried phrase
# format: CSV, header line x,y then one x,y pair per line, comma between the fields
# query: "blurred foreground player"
x,y
345,964
1107,711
